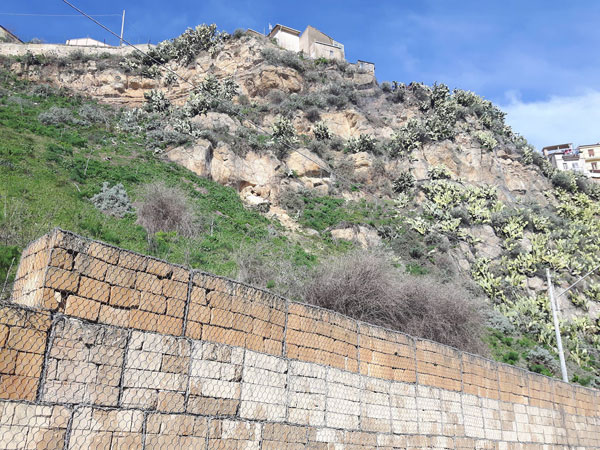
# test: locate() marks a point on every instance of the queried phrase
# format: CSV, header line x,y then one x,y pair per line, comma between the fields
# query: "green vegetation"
x,y
51,172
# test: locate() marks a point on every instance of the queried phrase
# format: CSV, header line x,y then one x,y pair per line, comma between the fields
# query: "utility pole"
x,y
561,356
122,28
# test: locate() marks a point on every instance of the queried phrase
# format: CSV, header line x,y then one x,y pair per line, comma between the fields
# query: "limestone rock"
x,y
305,163
365,237
490,245
271,77
196,157
216,121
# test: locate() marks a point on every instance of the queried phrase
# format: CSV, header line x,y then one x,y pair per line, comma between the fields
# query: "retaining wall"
x,y
104,348
62,50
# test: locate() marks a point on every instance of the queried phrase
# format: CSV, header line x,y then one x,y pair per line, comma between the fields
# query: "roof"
x,y
284,28
363,61
589,145
10,35
558,147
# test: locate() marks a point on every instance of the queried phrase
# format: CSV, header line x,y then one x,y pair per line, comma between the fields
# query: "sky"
x,y
538,60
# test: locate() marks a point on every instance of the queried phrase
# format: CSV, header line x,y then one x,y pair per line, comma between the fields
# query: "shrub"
x,y
209,95
113,201
321,132
499,322
541,356
284,134
564,180
408,138
364,143
486,139
365,285
404,182
272,271
386,86
94,114
313,114
440,172
164,208
156,101
56,116
239,33
283,58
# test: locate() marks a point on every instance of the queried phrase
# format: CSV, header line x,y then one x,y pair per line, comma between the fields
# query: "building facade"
x,y
564,157
312,42
590,154
86,42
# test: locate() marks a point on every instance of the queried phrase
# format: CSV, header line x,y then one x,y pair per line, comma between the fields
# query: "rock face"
x,y
365,237
489,245
304,163
221,160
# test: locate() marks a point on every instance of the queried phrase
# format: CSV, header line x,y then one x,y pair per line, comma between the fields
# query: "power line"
x,y
236,113
56,15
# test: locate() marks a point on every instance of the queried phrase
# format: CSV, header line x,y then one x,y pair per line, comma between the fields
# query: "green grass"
x,y
49,173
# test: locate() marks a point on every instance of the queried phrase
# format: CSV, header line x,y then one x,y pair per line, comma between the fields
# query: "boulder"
x,y
305,163
490,245
196,157
364,236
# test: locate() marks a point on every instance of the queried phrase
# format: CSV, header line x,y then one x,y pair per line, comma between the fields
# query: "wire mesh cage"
x,y
104,348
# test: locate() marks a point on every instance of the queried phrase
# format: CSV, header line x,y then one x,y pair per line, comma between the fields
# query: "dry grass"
x,y
164,208
364,285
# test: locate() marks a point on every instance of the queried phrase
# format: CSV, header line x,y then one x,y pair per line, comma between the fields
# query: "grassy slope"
x,y
49,173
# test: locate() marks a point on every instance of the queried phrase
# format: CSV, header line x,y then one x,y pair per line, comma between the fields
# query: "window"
x,y
575,165
591,152
331,53
594,166
565,166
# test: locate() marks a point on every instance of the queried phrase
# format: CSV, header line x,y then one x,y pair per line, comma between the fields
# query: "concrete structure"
x,y
8,37
86,42
62,50
365,66
312,42
104,348
564,157
590,154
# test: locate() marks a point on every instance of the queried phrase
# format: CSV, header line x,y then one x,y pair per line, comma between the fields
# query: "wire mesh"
x,y
104,348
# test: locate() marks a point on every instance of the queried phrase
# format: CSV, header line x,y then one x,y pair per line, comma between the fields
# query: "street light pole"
x,y
122,28
561,355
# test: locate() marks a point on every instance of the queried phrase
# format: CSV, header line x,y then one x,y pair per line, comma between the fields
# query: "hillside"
x,y
285,160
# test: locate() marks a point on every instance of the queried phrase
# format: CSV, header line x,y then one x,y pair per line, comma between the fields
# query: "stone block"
x,y
62,280
82,307
129,260
94,289
124,297
118,276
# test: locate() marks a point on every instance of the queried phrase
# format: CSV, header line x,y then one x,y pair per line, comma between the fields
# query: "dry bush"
x,y
272,271
364,285
164,208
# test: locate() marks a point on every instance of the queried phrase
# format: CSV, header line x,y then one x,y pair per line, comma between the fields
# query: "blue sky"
x,y
537,59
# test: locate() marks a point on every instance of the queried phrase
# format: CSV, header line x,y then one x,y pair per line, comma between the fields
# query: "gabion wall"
x,y
104,348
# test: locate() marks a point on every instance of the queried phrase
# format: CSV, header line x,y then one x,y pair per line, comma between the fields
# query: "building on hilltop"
x,y
86,42
564,157
591,160
313,44
8,37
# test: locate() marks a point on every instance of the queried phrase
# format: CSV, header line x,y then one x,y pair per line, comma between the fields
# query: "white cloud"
x,y
558,120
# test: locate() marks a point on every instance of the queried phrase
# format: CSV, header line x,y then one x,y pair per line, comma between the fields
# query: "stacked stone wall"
x,y
104,348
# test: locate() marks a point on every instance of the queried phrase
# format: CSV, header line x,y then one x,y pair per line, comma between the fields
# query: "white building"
x,y
312,42
86,42
564,157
